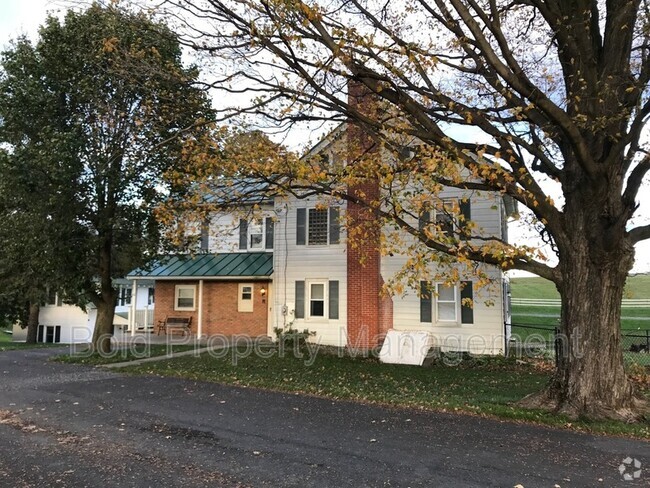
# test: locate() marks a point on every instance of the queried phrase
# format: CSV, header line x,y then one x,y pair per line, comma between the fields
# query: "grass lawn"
x,y
477,386
637,287
633,319
6,343
133,352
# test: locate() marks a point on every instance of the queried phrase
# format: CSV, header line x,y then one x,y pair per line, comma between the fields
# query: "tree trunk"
x,y
32,322
104,326
106,300
590,379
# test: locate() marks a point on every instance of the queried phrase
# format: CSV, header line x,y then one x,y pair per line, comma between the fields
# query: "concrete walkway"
x,y
190,352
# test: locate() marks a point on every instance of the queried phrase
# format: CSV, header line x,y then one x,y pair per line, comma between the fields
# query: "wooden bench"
x,y
172,324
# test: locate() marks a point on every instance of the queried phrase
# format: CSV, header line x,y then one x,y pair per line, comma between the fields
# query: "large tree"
x,y
545,101
91,115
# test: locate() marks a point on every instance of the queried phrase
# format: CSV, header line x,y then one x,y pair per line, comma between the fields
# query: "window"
x,y
245,301
256,235
445,216
124,295
446,303
449,300
318,226
185,297
53,298
49,334
150,296
317,299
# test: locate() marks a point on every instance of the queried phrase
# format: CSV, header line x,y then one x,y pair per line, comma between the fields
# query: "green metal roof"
x,y
224,265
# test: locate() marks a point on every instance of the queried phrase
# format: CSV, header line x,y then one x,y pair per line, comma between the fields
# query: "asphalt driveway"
x,y
68,425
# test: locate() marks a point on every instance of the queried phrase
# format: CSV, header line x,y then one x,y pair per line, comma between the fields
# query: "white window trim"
x,y
308,315
456,302
243,305
177,288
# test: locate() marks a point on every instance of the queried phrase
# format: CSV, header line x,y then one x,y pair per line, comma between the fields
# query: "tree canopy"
x,y
92,115
543,101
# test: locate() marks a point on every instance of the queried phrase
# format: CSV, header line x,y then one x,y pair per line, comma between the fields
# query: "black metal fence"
x,y
528,340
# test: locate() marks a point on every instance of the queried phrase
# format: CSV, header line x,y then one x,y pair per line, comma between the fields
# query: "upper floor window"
x,y
318,226
445,217
257,234
53,298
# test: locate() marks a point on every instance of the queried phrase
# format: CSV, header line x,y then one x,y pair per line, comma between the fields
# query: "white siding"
x,y
224,230
293,263
486,334
77,324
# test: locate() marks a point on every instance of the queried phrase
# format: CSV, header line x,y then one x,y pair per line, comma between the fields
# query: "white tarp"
x,y
405,347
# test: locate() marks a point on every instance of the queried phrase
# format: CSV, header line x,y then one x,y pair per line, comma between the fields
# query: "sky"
x,y
19,17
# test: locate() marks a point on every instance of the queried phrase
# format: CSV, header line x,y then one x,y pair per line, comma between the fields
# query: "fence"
x,y
555,302
543,341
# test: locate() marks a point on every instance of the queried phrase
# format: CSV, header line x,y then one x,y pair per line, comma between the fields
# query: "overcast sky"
x,y
19,17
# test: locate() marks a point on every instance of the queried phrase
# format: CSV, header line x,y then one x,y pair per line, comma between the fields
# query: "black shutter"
x,y
466,311
243,234
205,235
424,220
334,300
425,301
301,227
466,212
300,300
269,227
39,337
335,226
57,333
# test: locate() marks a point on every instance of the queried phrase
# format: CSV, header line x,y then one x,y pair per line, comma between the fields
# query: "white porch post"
x,y
199,326
134,301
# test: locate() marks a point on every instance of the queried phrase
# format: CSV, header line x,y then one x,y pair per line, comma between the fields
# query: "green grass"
x,y
632,318
532,288
136,351
477,386
637,287
540,288
6,343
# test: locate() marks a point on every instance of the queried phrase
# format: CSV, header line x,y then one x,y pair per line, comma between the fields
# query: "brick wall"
x,y
220,314
363,256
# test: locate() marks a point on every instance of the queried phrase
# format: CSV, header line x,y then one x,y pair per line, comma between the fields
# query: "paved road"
x,y
66,425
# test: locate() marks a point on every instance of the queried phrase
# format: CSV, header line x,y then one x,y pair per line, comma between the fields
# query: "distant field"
x,y
638,287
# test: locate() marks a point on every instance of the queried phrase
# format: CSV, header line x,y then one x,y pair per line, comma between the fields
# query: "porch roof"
x,y
222,265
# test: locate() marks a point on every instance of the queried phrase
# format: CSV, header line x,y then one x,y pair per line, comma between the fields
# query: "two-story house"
x,y
292,265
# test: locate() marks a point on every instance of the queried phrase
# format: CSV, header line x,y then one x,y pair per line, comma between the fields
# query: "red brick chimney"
x,y
369,315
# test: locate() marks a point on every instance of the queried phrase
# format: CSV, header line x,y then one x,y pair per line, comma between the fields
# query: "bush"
x,y
292,338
